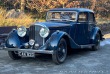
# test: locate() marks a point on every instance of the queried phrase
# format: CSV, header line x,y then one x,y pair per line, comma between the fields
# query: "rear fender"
x,y
94,33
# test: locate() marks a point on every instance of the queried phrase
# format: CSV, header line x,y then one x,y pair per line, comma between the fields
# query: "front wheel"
x,y
13,55
59,54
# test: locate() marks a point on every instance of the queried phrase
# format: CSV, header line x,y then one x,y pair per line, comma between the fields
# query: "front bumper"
x,y
28,50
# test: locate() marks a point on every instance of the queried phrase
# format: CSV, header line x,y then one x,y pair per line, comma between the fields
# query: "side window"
x,y
82,17
91,17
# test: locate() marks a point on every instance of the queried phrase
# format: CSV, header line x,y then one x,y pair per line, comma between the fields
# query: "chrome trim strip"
x,y
87,46
29,50
43,41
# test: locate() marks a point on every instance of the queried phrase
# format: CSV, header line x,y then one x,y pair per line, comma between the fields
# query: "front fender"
x,y
56,37
14,41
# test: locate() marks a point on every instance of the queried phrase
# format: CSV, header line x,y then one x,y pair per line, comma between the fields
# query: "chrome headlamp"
x,y
21,31
44,32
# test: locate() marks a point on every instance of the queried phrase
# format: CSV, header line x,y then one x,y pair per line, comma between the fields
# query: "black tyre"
x,y
97,45
13,55
60,53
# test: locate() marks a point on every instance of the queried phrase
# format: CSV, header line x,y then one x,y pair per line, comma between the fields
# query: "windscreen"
x,y
61,16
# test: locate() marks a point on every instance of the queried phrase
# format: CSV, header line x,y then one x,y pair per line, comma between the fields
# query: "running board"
x,y
87,46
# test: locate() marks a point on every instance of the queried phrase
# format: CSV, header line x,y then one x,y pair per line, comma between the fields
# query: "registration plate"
x,y
26,54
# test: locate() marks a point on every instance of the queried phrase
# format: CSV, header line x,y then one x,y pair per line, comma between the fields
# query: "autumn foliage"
x,y
36,9
101,7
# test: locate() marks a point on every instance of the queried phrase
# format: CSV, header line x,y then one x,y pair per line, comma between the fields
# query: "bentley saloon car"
x,y
65,29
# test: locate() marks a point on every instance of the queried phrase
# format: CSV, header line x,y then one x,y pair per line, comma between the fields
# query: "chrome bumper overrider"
x,y
28,50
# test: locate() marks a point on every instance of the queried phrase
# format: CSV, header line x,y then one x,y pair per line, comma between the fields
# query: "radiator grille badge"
x,y
31,42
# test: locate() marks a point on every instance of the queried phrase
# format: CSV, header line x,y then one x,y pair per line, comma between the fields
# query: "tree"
x,y
103,8
93,4
72,4
41,5
23,3
62,2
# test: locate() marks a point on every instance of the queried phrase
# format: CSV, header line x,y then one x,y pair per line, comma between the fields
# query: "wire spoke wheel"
x,y
97,45
60,53
13,55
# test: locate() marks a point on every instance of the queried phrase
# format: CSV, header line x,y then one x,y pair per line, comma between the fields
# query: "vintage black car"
x,y
64,29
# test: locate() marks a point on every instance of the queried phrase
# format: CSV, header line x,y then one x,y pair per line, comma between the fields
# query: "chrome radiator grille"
x,y
34,34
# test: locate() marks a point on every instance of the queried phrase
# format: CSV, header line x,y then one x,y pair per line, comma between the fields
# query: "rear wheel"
x,y
13,55
97,45
59,55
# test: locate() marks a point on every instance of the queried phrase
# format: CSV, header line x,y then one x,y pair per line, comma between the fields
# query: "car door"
x,y
81,36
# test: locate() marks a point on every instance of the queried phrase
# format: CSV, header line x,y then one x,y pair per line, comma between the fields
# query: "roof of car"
x,y
72,9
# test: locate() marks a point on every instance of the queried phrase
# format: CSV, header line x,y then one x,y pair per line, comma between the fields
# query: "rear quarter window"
x,y
91,17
